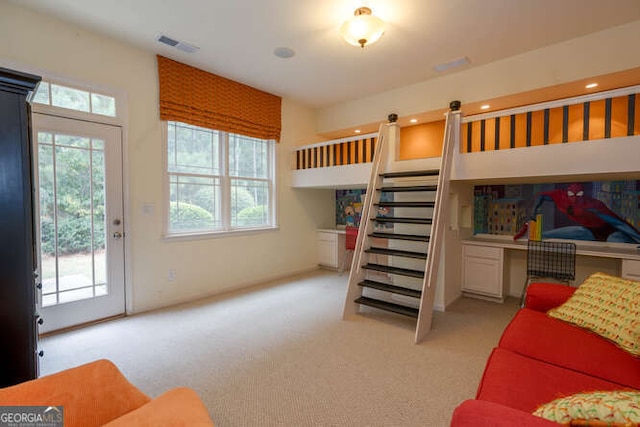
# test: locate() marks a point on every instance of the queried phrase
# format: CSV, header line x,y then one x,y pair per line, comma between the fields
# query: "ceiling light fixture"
x,y
357,131
413,120
485,107
362,29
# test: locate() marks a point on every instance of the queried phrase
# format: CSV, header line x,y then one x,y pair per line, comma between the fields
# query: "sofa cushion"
x,y
524,383
176,408
92,394
480,413
534,334
545,296
608,306
614,408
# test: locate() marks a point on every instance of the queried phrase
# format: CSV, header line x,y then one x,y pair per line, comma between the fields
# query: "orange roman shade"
x,y
199,98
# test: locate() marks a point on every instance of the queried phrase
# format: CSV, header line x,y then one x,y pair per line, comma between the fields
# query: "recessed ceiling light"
x,y
414,120
485,107
591,85
357,131
283,52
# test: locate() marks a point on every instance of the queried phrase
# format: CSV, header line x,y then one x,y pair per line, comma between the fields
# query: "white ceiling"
x,y
237,37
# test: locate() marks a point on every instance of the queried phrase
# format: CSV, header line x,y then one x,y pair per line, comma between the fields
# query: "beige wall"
x,y
37,42
595,54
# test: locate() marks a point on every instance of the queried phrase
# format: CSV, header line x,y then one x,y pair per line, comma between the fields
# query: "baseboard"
x,y
225,290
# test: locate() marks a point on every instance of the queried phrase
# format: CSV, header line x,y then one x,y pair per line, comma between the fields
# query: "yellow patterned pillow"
x,y
607,305
610,408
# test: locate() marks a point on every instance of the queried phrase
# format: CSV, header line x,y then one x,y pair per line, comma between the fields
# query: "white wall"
x,y
202,267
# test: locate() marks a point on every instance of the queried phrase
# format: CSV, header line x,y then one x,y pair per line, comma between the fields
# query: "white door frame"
x,y
114,178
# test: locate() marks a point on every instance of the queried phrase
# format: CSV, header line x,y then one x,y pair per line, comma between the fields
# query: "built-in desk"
x,y
488,263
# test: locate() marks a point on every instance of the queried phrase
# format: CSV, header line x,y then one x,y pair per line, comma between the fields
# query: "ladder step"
x,y
406,204
400,189
391,288
433,172
402,220
396,236
388,306
396,252
394,270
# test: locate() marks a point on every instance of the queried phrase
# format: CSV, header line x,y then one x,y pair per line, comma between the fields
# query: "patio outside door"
x,y
80,226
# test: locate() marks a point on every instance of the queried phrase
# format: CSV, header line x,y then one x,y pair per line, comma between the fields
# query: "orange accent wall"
x,y
422,141
576,119
596,119
619,116
505,133
537,128
555,125
637,116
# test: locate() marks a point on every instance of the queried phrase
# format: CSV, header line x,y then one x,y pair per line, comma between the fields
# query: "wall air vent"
x,y
183,46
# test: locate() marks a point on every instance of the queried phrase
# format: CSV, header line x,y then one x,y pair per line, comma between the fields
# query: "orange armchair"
x,y
97,394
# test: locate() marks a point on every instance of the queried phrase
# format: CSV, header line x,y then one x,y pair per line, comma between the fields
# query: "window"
x,y
218,181
75,99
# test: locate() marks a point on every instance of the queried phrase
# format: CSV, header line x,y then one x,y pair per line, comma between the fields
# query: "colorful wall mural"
x,y
349,207
606,211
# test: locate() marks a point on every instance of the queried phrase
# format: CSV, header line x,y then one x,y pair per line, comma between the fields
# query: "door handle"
x,y
117,235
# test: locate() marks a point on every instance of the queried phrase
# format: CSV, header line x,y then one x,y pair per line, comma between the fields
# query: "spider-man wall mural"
x,y
600,211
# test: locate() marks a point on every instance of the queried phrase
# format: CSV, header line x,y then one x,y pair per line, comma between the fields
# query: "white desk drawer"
x,y
328,237
482,252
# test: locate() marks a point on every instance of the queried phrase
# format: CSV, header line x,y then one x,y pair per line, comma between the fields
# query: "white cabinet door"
x,y
328,249
482,271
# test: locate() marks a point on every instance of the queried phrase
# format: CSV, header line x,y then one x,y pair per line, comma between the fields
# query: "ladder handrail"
x,y
379,157
451,136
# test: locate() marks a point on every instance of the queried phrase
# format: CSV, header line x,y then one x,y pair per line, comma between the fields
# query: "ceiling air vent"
x,y
454,63
183,46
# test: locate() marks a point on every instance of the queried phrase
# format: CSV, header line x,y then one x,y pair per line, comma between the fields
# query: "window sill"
x,y
181,237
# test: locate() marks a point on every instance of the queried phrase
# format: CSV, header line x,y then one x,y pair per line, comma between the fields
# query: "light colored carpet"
x,y
280,355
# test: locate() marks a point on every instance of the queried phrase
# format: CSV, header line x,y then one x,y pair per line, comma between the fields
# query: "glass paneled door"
x,y
78,176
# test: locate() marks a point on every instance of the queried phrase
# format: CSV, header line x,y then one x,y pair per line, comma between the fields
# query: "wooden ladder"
x,y
397,253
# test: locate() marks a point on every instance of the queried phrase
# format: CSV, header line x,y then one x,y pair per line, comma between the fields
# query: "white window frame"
x,y
225,179
120,103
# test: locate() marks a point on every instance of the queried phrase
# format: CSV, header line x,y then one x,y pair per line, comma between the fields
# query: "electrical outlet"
x,y
171,275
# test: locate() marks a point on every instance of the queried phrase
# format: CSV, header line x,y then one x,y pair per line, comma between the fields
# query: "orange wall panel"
x,y
423,140
596,119
576,116
505,133
637,116
464,140
521,130
619,116
537,128
490,135
555,125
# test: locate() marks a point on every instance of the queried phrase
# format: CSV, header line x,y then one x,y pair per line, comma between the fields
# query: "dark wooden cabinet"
x,y
18,329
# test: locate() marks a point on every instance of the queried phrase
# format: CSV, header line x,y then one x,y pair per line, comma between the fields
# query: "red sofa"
x,y
539,359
